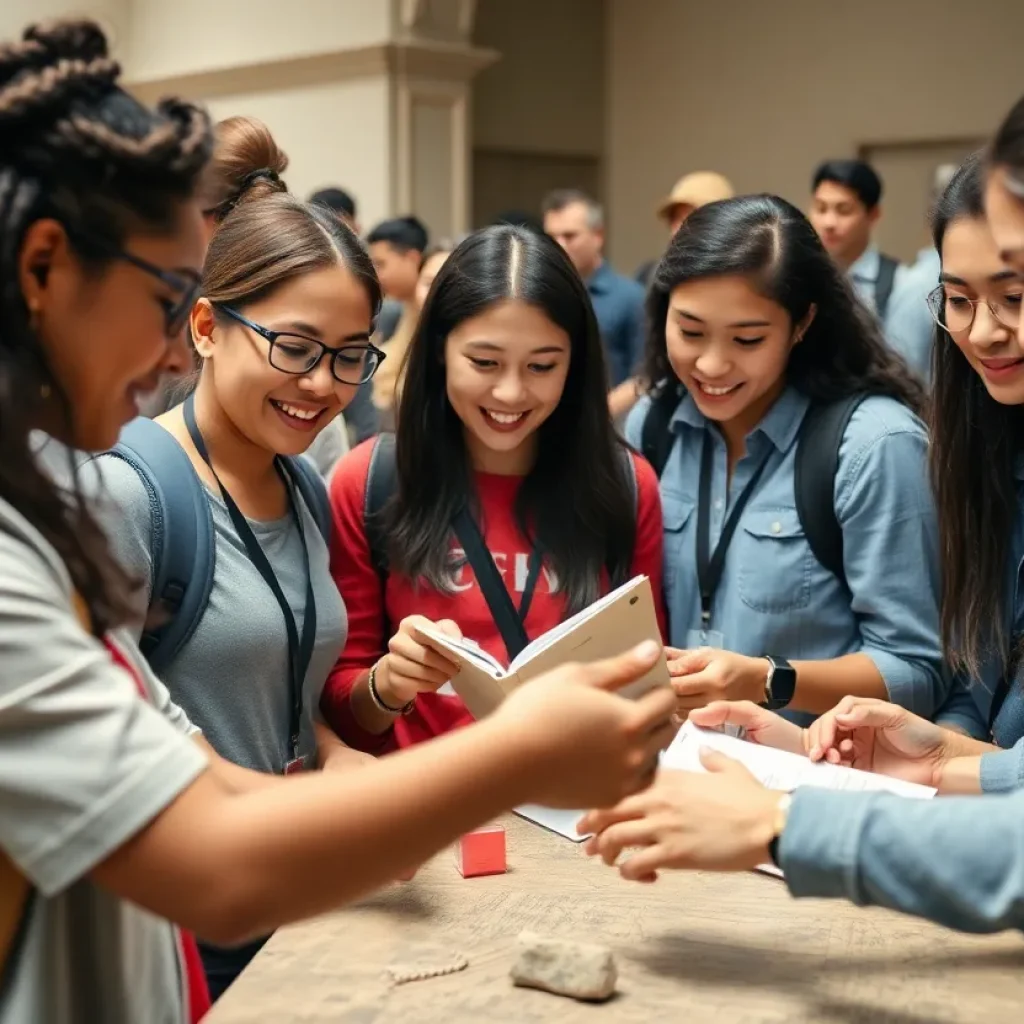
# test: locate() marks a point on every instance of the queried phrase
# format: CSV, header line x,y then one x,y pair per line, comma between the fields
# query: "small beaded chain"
x,y
400,975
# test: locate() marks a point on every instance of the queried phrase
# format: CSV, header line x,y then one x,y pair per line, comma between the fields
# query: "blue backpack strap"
x,y
314,493
656,437
183,551
381,483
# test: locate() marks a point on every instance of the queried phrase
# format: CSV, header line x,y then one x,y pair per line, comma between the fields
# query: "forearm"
x,y
233,777
958,862
821,685
312,842
332,753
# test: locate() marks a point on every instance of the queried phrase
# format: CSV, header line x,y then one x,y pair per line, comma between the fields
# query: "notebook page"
x,y
555,634
779,769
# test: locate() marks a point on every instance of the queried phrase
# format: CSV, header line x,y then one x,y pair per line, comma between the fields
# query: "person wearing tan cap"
x,y
689,193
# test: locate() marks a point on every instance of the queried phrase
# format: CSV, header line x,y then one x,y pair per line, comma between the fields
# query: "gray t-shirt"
x,y
85,764
231,678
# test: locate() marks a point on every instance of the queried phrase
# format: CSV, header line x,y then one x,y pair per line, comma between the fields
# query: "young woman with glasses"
x,y
115,818
282,331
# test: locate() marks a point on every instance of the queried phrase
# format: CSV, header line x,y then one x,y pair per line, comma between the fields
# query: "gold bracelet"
x,y
378,701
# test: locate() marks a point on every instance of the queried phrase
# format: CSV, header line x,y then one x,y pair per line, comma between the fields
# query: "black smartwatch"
x,y
780,685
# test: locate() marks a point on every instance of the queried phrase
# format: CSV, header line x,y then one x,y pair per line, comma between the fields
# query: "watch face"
x,y
782,682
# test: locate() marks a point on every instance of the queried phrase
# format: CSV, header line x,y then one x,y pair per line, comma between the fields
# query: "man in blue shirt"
x,y
845,207
576,222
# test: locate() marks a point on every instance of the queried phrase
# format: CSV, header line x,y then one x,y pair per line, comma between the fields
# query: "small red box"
x,y
481,852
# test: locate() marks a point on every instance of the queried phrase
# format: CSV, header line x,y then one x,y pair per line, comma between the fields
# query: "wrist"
x,y
756,681
957,775
379,679
768,826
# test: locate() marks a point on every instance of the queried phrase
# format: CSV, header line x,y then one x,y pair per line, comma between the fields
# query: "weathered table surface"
x,y
692,947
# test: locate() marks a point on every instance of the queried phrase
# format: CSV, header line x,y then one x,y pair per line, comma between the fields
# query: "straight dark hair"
x,y
974,443
576,503
770,242
1007,149
76,148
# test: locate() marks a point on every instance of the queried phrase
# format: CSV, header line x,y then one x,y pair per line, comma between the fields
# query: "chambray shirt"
x,y
619,307
774,597
958,860
970,703
907,325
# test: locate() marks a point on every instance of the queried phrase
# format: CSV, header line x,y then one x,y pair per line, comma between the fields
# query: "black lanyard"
x,y
710,566
509,619
300,649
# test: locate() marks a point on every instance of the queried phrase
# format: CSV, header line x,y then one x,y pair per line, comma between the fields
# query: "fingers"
x,y
717,762
653,711
696,686
643,866
449,628
880,715
610,843
602,818
405,646
413,675
681,663
614,673
743,713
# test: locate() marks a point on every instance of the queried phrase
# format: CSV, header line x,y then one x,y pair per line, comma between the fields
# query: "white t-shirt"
x,y
85,764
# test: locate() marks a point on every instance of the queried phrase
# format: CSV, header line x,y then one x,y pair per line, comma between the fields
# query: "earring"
x,y
33,317
45,391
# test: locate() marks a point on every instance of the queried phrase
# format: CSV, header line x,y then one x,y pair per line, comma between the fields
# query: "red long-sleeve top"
x,y
371,607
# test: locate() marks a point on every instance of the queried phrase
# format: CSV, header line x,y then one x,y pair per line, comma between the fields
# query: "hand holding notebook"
x,y
618,621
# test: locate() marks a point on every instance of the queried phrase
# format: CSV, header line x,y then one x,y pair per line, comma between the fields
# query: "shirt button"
x,y
718,505
776,527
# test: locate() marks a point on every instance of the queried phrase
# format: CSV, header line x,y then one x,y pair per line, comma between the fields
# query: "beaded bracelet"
x,y
379,701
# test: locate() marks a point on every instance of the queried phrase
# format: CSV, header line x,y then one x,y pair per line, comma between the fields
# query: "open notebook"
x,y
613,624
779,769
618,621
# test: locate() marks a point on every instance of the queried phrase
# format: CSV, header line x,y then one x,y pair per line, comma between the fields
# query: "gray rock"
x,y
578,969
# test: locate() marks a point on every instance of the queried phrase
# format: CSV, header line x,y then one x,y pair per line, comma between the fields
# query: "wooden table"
x,y
727,949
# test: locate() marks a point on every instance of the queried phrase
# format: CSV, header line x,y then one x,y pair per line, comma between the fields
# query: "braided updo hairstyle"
x,y
76,148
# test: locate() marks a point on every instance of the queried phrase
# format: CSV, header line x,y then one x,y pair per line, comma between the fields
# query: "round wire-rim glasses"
x,y
957,312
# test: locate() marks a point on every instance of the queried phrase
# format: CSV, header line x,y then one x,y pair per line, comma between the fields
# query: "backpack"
x,y
817,460
183,549
887,267
381,482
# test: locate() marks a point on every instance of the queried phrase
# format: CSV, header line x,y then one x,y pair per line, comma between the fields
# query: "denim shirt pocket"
x,y
775,561
675,512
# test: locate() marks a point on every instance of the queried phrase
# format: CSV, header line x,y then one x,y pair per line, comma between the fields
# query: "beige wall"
x,y
763,91
335,133
113,15
172,37
545,94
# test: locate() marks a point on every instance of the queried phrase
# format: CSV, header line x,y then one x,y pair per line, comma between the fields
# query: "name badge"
x,y
705,638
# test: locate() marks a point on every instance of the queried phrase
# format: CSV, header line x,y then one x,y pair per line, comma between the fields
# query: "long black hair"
x,y
75,147
576,501
974,442
1007,149
772,243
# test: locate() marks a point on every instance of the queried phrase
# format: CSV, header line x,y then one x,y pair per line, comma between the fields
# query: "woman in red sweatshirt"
x,y
505,459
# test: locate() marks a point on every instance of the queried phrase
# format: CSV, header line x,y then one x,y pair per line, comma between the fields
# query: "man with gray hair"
x,y
576,222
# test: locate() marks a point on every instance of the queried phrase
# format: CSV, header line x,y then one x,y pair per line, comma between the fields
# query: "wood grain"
x,y
722,949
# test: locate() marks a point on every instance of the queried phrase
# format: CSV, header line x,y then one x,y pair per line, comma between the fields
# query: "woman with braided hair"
x,y
115,819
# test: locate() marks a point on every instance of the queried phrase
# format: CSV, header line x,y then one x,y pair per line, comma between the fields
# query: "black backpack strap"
x,y
656,437
381,481
887,267
499,602
311,486
814,484
183,550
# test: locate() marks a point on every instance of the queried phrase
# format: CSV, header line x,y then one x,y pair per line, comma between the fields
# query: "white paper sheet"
x,y
562,822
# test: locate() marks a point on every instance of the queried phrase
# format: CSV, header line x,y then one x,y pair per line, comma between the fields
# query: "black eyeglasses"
x,y
355,363
956,312
189,287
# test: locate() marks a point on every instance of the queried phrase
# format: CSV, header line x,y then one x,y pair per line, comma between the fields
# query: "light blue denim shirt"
x,y
908,326
774,597
970,702
956,860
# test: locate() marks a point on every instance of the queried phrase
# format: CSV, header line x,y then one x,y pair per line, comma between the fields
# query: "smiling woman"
x,y
755,342
505,454
282,331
